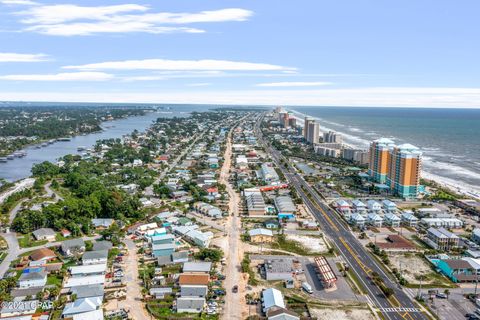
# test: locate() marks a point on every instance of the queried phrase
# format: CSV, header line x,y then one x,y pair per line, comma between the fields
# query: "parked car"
x,y
235,289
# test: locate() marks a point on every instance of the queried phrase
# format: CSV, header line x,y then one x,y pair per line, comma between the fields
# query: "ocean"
x,y
449,138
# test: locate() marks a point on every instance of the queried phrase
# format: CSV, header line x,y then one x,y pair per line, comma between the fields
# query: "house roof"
x,y
197,266
72,244
260,231
190,303
91,315
88,269
190,278
93,290
81,306
42,254
33,276
272,298
95,255
102,245
275,312
43,232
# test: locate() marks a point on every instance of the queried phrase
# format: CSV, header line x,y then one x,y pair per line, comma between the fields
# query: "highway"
x,y
399,305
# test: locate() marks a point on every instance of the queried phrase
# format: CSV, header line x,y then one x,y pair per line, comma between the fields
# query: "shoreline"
x,y
448,183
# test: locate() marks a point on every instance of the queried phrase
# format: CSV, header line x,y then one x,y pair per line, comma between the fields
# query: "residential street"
x,y
234,302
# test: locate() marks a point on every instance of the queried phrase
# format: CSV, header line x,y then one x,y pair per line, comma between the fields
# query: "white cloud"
x,y
200,84
22,57
294,84
73,76
19,2
180,65
375,97
72,20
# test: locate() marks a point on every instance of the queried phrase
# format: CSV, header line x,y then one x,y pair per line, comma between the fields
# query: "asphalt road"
x,y
399,306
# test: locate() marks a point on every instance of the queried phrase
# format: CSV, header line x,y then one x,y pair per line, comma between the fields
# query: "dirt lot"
x,y
349,314
411,262
316,244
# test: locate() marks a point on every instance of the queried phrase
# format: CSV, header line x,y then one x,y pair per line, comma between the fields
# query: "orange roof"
x,y
43,253
195,279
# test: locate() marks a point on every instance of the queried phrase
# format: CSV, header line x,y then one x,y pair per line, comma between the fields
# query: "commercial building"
x,y
255,203
356,155
272,298
305,127
278,269
332,137
380,159
325,272
404,170
268,173
285,207
313,132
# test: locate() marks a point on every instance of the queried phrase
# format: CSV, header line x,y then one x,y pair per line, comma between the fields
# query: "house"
x,y
275,313
162,239
359,206
71,247
176,257
84,281
285,207
102,245
189,290
65,233
278,269
95,257
197,267
309,224
80,306
32,278
207,209
374,220
442,222
476,235
268,173
357,220
458,270
255,203
260,235
374,206
18,310
160,292
44,234
193,279
272,298
102,223
42,256
165,249
88,291
190,304
271,224
409,219
392,220
342,205
199,238
389,206
442,239
91,269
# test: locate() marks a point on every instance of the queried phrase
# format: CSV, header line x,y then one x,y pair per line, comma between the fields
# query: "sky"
x,y
409,53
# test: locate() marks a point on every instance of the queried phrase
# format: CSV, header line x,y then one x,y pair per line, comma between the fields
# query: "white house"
x,y
32,279
190,304
389,205
272,298
95,257
374,206
357,219
359,206
374,220
392,220
409,219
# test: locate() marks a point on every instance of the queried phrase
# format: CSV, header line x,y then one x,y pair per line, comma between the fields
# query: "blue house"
x,y
164,249
458,270
163,239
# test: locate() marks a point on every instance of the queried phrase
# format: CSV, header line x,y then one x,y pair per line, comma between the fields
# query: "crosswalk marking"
x,y
399,310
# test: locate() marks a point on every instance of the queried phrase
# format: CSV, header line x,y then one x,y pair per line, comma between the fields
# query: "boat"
x,y
44,144
64,139
81,148
10,157
3,159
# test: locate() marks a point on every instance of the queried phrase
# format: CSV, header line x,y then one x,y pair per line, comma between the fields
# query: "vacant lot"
x,y
315,244
415,268
347,314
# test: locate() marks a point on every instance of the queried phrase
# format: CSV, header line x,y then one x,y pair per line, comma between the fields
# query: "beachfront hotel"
x,y
398,167
305,127
380,159
404,170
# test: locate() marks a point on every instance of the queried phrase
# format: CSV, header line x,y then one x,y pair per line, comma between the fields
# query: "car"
x,y
235,289
441,296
